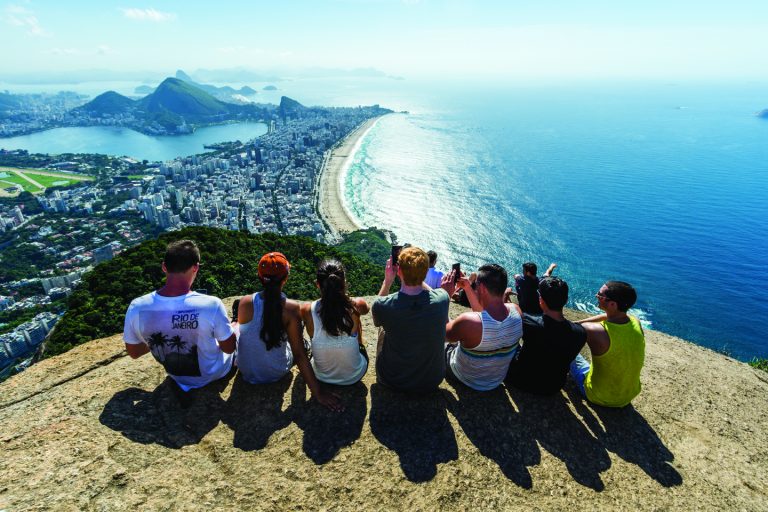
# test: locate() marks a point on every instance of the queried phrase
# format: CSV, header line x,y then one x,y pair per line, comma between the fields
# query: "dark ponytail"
x,y
336,308
272,330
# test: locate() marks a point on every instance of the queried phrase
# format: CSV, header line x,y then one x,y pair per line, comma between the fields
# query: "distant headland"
x,y
175,107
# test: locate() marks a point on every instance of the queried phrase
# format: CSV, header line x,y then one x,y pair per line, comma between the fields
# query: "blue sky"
x,y
412,38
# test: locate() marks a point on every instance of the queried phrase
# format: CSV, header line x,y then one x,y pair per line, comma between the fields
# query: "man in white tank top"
x,y
482,343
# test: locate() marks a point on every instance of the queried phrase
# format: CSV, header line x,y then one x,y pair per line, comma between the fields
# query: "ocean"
x,y
660,185
663,185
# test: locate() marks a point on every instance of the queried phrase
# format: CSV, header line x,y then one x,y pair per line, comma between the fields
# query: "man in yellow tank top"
x,y
617,344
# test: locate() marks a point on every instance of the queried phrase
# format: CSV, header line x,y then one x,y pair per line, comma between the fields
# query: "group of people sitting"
x,y
529,345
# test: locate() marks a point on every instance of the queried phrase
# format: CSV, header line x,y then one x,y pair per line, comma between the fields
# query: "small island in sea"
x,y
269,88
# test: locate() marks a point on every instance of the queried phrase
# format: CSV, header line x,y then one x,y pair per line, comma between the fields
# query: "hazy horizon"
x,y
415,39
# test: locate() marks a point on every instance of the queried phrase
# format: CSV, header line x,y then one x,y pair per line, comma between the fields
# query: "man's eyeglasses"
x,y
604,297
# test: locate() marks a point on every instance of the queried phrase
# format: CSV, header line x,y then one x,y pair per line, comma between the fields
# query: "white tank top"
x,y
484,367
257,364
335,359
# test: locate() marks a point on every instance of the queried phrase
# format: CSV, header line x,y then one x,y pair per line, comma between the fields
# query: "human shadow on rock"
x,y
326,432
490,422
549,420
416,427
626,433
166,416
255,411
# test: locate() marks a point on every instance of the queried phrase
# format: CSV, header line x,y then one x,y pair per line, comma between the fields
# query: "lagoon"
x,y
112,140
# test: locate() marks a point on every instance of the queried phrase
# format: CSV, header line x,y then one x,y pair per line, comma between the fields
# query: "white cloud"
x,y
103,50
18,16
149,14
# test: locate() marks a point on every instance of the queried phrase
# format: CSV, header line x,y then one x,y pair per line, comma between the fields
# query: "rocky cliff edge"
x,y
94,430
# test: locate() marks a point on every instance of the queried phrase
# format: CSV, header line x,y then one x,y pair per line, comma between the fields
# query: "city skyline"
x,y
409,38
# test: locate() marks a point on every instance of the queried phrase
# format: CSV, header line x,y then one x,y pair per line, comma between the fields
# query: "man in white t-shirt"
x,y
181,327
434,277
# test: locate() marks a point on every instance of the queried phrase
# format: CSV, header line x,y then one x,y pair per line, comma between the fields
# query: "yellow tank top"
x,y
614,378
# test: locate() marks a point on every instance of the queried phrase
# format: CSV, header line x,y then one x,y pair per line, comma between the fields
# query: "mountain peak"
x,y
181,75
290,107
109,102
182,98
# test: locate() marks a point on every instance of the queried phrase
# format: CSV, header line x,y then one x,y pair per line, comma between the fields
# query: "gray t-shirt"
x,y
412,358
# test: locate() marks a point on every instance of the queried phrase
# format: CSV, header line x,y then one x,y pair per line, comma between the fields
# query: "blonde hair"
x,y
414,264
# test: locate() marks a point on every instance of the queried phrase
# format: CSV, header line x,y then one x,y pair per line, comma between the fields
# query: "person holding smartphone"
x,y
411,325
482,343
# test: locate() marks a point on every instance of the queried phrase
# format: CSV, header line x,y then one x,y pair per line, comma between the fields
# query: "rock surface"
x,y
94,430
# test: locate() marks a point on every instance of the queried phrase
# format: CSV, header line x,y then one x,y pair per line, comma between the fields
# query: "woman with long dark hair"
x,y
333,324
270,339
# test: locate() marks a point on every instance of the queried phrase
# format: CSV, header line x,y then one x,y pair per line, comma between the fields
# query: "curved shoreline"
x,y
329,201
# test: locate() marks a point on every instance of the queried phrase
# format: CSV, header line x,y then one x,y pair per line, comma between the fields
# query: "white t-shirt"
x,y
433,278
181,333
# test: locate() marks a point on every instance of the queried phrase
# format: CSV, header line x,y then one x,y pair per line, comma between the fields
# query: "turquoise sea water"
x,y
122,141
662,186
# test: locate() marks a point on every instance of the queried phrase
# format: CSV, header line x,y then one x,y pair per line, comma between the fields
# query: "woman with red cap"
x,y
270,339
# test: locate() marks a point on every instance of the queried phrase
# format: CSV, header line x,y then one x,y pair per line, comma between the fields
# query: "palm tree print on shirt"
x,y
157,342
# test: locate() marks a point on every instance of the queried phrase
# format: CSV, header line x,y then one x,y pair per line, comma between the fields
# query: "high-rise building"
x,y
17,215
104,253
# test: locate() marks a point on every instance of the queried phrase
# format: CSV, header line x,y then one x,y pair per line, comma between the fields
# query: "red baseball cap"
x,y
273,265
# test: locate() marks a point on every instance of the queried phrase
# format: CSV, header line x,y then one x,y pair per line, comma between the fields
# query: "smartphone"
x,y
395,253
235,307
456,268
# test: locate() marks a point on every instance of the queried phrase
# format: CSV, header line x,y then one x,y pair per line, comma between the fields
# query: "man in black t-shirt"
x,y
527,286
550,343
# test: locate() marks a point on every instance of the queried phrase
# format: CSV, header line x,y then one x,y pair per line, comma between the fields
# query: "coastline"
x,y
329,199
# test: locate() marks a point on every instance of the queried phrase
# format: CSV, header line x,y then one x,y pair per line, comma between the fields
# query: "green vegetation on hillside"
x,y
26,201
182,98
25,253
109,102
371,244
760,364
229,268
174,104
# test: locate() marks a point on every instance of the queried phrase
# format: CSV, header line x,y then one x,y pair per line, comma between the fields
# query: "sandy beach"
x,y
329,202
